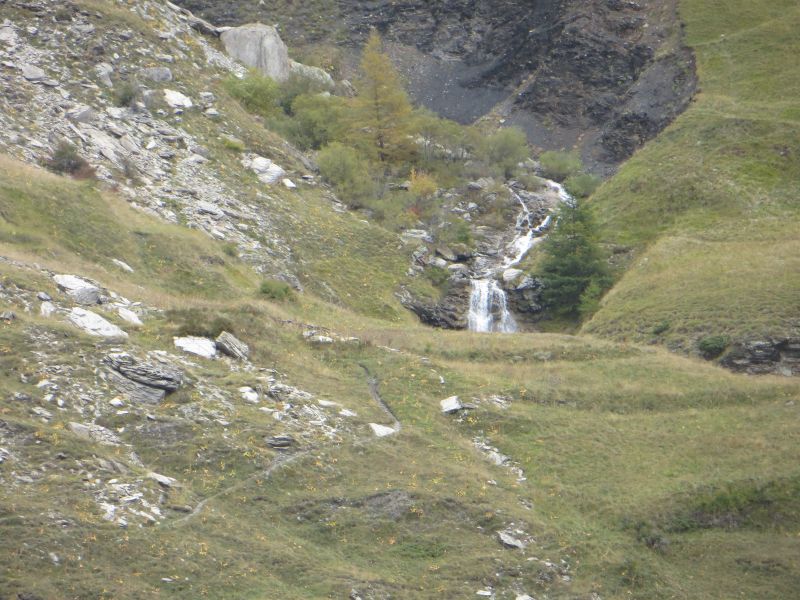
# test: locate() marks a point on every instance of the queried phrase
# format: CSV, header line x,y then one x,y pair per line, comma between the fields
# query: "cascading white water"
x,y
488,305
488,310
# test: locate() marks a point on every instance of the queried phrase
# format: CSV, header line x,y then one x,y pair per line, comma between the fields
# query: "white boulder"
x,y
267,171
451,405
197,345
382,430
177,100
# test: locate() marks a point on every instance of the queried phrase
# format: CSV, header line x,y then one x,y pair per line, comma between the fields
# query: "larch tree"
x,y
382,114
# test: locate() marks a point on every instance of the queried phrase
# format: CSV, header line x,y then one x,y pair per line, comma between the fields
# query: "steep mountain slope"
x,y
320,462
601,76
707,214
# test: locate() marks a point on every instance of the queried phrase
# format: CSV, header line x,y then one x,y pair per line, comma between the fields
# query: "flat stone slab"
x,y
197,345
94,324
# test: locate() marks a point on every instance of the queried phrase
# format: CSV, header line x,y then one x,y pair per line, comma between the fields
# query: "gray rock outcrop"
x,y
781,356
233,347
142,381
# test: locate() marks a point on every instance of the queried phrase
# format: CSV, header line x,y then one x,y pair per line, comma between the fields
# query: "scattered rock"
x,y
157,74
382,430
196,345
266,170
510,541
162,480
289,184
233,347
95,433
451,405
81,114
177,100
94,324
249,394
79,289
7,316
32,73
129,316
280,442
122,265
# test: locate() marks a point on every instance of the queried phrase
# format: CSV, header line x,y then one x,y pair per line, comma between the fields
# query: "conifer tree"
x,y
574,271
382,111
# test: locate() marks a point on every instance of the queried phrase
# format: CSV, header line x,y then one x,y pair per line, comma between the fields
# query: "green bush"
x,y
319,120
582,185
437,275
126,93
662,327
257,93
345,169
233,144
712,346
276,290
505,149
560,165
296,86
456,232
66,161
200,323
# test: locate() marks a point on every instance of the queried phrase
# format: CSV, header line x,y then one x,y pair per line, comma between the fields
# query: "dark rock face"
x,y
525,300
449,313
781,356
578,73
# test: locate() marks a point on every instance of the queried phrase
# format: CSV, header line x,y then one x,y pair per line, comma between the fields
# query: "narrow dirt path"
x,y
284,460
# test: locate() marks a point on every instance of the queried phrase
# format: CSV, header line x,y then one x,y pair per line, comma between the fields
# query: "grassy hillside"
x,y
625,470
647,475
709,211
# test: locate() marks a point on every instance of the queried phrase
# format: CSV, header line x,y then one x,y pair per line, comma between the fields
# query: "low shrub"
x,y
126,94
257,93
712,346
662,327
345,169
582,185
66,161
276,290
558,166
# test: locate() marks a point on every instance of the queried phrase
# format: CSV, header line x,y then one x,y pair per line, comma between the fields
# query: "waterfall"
x,y
488,310
488,306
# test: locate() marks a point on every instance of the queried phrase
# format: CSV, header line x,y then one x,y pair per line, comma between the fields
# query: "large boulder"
x,y
260,47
